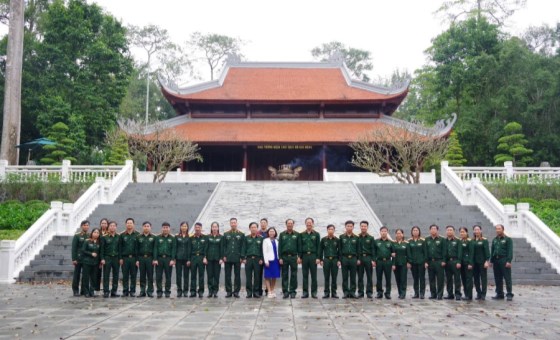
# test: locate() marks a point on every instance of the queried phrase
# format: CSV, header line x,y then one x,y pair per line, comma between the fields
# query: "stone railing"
x,y
61,219
371,178
179,176
507,173
64,173
518,222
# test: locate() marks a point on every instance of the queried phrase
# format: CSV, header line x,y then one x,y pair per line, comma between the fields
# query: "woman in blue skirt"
x,y
271,263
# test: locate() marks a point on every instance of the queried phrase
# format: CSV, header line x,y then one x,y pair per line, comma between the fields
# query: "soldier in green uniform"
x,y
110,260
349,250
330,261
481,262
501,256
453,256
288,244
90,262
103,229
435,263
182,257
214,257
383,263
309,246
466,263
199,250
128,252
145,247
400,262
417,257
366,257
165,252
253,260
232,248
77,243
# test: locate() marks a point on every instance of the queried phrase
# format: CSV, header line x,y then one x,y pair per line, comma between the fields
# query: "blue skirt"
x,y
273,270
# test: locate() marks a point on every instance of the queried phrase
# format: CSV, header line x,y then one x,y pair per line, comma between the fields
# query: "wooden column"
x,y
324,156
245,158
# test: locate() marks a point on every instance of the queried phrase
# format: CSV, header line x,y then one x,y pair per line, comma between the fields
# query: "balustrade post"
x,y
7,259
510,220
509,170
3,165
65,171
243,174
56,206
68,219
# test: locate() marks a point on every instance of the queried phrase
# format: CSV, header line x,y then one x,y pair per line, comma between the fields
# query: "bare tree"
x,y
496,11
398,152
215,48
11,128
160,145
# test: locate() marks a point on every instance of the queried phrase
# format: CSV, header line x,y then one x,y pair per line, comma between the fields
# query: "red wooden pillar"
x,y
245,158
324,156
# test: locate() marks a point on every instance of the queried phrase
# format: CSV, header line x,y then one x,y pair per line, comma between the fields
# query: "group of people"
x,y
462,261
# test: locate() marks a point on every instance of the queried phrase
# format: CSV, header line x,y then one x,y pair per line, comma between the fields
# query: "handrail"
x,y
539,235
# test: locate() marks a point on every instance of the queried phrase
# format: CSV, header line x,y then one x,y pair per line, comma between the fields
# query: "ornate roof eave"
x,y
173,89
440,129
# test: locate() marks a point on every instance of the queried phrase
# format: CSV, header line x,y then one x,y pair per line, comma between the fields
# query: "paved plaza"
x,y
49,312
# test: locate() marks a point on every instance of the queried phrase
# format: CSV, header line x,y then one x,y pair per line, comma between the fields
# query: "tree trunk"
x,y
11,129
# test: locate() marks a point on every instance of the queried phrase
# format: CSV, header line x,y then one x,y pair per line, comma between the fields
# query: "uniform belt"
x,y
163,256
384,259
350,256
499,257
111,255
197,254
147,255
365,255
330,257
452,258
289,254
131,256
435,259
254,257
309,253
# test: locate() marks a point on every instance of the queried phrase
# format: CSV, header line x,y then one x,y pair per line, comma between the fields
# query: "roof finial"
x,y
337,57
233,59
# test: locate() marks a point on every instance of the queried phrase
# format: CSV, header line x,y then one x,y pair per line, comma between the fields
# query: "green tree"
x,y
358,61
63,149
214,49
512,146
116,152
496,11
455,152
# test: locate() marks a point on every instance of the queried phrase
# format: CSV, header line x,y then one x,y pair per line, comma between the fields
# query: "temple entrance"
x,y
260,157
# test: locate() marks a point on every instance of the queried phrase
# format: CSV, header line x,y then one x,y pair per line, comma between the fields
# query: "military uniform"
x,y
165,251
288,251
77,243
417,256
481,254
253,256
90,265
466,261
128,253
213,268
502,253
145,253
435,250
232,248
454,254
366,256
384,262
309,246
330,255
199,248
181,268
349,250
110,254
400,261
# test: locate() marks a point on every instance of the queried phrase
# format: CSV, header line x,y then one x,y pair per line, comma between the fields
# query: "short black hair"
x,y
500,225
233,219
383,227
310,218
113,222
465,229
146,222
184,222
365,222
84,222
264,219
399,229
198,224
331,226
349,222
129,219
272,228
434,225
166,224
255,223
289,219
450,226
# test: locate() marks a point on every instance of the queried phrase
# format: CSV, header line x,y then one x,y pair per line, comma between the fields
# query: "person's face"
x,y
330,231
433,231
95,234
271,233
383,233
184,228
233,224
103,225
215,229
253,229
308,224
197,229
477,231
165,230
415,233
264,225
146,228
349,228
290,225
85,227
499,230
363,228
463,233
450,232
129,225
112,228
399,235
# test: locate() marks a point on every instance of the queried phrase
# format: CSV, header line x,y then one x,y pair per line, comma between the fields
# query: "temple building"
x,y
262,114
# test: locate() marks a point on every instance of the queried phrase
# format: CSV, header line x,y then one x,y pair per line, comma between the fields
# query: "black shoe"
x,y
360,295
87,296
257,296
415,296
293,295
105,295
334,296
483,297
388,296
167,295
76,293
193,294
114,295
285,296
159,295
92,294
305,295
141,295
379,296
369,295
449,297
132,294
185,294
440,297
211,294
314,295
509,297
498,297
466,298
345,296
422,296
478,297
228,295
249,296
200,295
401,297
125,294
351,295
179,294
457,297
236,295
215,295
326,296
432,297
150,295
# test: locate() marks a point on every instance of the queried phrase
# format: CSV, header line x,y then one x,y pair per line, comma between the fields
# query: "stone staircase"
x,y
402,206
154,202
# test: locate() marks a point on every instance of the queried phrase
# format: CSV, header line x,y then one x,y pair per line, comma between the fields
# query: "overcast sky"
x,y
396,31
